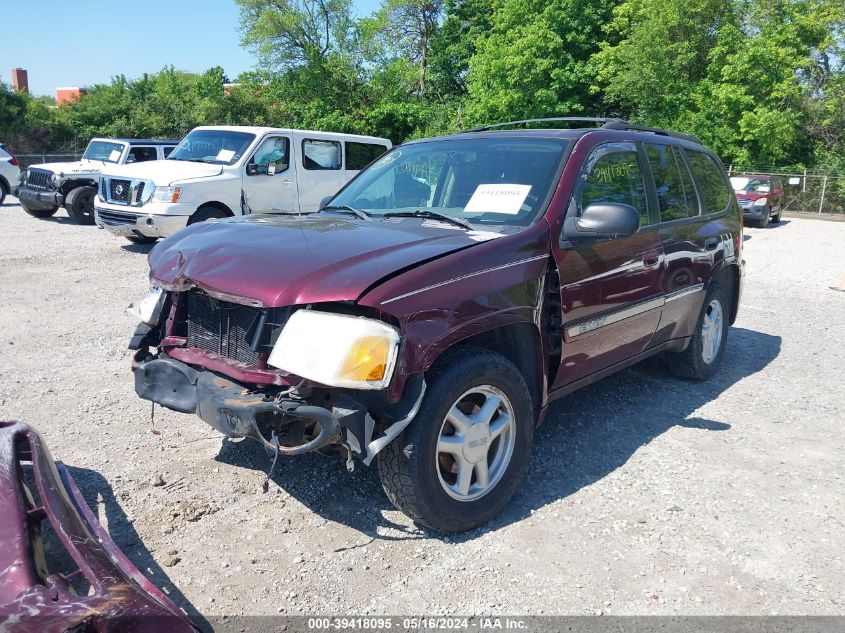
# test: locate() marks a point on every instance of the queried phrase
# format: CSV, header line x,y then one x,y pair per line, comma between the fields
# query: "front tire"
x,y
79,204
776,218
701,358
40,213
460,460
207,213
141,239
764,221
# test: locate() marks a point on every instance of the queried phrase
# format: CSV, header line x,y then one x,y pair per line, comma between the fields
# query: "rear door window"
x,y
672,182
613,175
712,186
318,154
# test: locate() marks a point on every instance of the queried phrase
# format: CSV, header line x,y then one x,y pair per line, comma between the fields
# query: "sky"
x,y
86,42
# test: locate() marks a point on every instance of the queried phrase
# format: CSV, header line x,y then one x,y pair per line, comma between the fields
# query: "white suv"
x,y
10,172
46,187
223,171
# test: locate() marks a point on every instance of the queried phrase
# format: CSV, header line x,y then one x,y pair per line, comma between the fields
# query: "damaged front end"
x,y
38,494
205,353
294,421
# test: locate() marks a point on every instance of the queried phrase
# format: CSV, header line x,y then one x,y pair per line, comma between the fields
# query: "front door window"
x,y
272,157
613,175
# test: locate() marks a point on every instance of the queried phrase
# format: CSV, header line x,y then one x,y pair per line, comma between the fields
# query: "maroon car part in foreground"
x,y
432,310
34,600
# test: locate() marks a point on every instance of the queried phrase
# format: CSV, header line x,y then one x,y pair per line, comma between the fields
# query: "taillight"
x,y
14,161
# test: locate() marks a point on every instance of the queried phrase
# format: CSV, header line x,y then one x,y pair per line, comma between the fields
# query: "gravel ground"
x,y
646,494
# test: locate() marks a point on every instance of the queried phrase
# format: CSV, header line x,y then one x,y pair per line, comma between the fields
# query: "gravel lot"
x,y
646,494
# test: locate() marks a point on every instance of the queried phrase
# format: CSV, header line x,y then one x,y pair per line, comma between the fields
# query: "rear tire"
x,y
79,204
40,213
3,192
453,469
701,358
207,213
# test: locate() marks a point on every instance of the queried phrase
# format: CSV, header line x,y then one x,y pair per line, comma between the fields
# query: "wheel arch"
x,y
728,277
521,344
70,185
215,204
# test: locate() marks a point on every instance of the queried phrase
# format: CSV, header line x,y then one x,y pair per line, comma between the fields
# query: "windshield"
x,y
219,147
743,184
103,150
495,181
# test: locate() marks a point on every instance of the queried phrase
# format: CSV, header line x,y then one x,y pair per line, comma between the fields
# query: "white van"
x,y
221,171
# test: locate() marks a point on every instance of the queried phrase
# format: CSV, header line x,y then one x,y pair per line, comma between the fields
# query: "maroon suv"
x,y
431,311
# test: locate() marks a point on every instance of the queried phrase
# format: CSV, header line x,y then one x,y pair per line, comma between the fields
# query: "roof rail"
x,y
588,119
621,124
608,123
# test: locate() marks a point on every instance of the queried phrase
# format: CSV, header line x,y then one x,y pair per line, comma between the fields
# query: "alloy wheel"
x,y
711,331
475,443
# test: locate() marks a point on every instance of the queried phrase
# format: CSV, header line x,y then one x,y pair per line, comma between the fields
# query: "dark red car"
x,y
759,197
429,313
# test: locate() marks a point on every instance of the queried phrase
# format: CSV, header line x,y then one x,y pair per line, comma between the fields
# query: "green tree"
x,y
289,33
466,23
536,60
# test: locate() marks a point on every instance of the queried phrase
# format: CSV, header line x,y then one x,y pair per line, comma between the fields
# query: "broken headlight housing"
x,y
337,350
148,309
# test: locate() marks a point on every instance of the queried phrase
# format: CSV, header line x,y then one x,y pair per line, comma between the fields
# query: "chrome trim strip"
x,y
454,279
613,317
683,292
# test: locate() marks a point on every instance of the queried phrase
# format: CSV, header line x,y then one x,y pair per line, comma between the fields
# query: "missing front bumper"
x,y
300,425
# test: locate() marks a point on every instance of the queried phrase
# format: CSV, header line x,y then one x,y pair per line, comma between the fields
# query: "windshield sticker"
x,y
115,155
498,199
225,155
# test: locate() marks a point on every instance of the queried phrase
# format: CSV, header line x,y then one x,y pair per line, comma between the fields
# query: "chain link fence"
x,y
27,160
804,191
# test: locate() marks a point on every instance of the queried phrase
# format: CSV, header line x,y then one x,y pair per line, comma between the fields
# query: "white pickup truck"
x,y
222,171
46,187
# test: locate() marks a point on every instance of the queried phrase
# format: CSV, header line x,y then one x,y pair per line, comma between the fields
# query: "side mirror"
x,y
251,169
324,202
602,221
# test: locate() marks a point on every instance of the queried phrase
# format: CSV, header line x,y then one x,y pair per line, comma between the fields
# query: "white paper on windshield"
x,y
225,155
499,198
115,155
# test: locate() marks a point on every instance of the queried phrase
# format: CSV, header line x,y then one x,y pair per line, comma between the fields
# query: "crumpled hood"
x,y
164,172
287,260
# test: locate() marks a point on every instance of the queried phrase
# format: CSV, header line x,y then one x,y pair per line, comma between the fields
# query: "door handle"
x,y
711,243
651,259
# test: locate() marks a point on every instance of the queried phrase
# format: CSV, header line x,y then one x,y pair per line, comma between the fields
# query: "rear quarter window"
x,y
359,155
712,185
